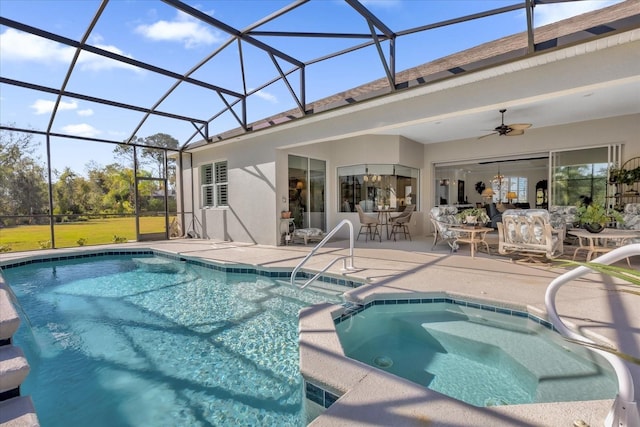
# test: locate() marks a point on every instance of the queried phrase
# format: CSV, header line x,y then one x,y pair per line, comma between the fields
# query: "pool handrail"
x,y
344,258
624,412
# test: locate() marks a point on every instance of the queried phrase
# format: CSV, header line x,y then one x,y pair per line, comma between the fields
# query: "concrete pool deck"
x,y
604,308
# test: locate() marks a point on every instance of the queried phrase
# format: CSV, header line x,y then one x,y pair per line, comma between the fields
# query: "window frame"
x,y
217,185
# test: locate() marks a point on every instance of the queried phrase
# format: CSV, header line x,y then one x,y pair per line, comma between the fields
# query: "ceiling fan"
x,y
508,130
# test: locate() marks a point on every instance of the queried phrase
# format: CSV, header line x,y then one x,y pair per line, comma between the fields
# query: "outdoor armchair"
x,y
529,232
443,217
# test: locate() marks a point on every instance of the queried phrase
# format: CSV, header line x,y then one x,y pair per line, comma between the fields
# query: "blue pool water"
x,y
116,341
481,357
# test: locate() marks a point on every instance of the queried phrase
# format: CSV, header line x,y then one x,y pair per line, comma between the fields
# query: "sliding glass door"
x,y
307,185
579,175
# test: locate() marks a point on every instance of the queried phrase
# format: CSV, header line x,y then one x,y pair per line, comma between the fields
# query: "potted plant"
x,y
594,217
616,176
473,216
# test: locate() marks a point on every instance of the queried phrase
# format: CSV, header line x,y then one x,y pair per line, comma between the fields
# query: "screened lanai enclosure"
x,y
104,102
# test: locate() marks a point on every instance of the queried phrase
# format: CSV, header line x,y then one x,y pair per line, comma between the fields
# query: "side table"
x,y
287,233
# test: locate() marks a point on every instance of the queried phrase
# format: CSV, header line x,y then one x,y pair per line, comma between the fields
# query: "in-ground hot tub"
x,y
477,353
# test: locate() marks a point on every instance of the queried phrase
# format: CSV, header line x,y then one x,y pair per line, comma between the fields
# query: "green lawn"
x,y
94,232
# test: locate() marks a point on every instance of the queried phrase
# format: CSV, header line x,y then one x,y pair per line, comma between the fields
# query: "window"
x,y
518,185
370,186
503,185
214,184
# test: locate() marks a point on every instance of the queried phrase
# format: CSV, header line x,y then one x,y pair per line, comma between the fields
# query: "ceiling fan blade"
x,y
515,132
489,134
520,126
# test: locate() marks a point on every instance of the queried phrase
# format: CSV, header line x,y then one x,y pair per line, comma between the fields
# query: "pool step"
x,y
551,366
18,412
13,371
9,319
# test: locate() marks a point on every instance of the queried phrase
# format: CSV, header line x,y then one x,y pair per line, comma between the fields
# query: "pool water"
x,y
481,357
116,341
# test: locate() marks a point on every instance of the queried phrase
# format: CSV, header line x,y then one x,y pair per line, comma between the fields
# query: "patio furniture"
x,y
369,224
566,216
630,217
604,241
473,236
443,218
401,222
529,232
308,235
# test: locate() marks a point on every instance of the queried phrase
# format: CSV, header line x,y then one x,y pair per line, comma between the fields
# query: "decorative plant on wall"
x,y
480,187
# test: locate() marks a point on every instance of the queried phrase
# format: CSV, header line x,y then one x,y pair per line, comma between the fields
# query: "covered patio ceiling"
x,y
290,49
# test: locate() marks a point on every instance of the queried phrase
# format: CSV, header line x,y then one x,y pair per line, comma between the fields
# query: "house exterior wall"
x,y
624,130
258,170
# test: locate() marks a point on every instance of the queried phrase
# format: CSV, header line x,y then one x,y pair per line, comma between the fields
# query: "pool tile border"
x,y
210,264
352,309
325,398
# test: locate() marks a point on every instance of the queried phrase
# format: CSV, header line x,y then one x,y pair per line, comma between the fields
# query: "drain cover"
x,y
496,401
383,361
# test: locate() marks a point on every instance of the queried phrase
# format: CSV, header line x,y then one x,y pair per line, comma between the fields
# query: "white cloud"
x,y
84,113
183,28
43,106
266,96
549,13
18,46
81,129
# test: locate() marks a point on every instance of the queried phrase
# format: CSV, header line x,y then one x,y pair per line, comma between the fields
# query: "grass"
x,y
93,232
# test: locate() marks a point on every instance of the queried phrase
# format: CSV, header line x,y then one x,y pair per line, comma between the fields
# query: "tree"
x,y
124,152
23,182
71,194
160,141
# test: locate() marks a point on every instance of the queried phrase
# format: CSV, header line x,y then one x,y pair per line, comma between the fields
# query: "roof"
x,y
233,103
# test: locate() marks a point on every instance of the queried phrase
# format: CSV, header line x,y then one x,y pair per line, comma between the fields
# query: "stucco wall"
x,y
623,130
258,185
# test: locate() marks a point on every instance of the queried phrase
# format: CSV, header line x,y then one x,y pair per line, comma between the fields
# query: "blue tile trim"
x,y
319,395
241,269
502,310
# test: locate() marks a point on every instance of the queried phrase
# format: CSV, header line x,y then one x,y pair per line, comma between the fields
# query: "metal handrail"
x,y
345,267
624,412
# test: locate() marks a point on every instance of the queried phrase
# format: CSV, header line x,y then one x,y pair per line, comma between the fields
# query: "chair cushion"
x,y
309,232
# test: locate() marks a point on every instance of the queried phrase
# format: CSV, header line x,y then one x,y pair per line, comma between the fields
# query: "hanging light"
x,y
367,177
497,179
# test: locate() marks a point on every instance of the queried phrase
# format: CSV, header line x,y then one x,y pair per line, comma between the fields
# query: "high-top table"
x,y
384,218
595,243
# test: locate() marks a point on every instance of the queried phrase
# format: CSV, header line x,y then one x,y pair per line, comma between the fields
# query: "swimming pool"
x,y
479,356
121,340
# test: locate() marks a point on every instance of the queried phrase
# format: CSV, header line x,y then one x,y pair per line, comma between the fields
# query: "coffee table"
x,y
473,236
595,243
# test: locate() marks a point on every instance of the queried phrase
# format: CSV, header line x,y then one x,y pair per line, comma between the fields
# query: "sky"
x,y
153,32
